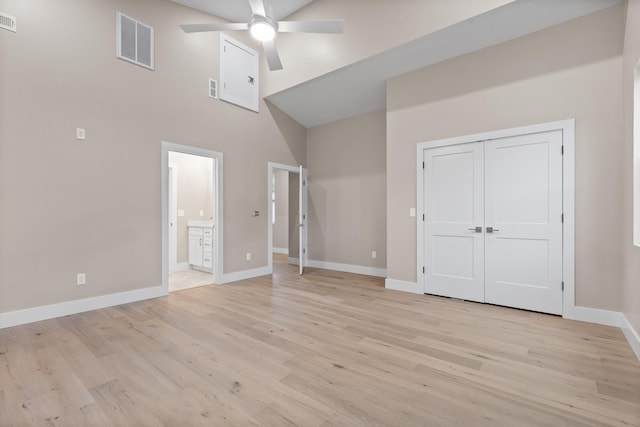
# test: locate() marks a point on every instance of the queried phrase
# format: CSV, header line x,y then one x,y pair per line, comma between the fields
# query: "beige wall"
x,y
630,253
568,71
195,179
281,223
306,56
95,207
347,191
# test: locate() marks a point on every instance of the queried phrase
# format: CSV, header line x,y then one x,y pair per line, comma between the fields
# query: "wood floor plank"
x,y
323,349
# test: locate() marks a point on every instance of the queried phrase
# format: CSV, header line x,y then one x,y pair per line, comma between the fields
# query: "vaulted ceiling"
x,y
360,87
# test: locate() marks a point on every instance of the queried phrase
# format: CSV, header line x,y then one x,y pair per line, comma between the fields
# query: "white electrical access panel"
x,y
238,73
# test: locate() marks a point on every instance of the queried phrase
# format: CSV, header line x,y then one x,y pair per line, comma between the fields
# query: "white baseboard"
x,y
632,335
284,251
36,314
245,274
401,285
183,266
348,268
596,315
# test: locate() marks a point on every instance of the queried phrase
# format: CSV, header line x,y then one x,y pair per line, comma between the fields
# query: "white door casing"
x,y
303,234
218,229
173,217
454,220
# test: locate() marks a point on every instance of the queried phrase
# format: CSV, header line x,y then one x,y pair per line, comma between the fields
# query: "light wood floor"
x,y
323,349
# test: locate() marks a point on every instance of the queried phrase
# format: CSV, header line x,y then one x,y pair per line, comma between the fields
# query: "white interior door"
x,y
523,219
303,234
454,217
493,221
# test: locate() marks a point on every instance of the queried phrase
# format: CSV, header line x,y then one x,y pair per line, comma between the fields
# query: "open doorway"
x,y
192,222
280,212
287,215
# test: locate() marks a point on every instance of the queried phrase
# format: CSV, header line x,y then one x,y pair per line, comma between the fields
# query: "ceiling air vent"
x,y
213,89
8,22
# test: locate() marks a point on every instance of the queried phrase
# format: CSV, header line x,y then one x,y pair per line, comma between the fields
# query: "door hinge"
x,y
562,149
422,269
422,165
304,217
562,218
423,217
562,286
304,251
304,182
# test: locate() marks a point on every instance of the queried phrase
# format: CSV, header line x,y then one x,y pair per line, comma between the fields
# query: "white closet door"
x,y
523,207
454,253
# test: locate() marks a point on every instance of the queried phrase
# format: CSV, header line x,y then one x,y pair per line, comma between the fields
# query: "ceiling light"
x,y
262,29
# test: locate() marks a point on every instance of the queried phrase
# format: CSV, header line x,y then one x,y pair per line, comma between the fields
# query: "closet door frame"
x,y
568,185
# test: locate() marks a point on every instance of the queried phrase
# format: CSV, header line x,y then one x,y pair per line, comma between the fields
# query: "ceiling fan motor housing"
x,y
263,27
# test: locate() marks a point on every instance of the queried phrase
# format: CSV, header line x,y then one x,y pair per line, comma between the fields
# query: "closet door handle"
x,y
491,229
476,229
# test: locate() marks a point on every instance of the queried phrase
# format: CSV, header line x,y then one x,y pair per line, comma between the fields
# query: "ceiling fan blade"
x,y
334,26
273,59
199,28
257,7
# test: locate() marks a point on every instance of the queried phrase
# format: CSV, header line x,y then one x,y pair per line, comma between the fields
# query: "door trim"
x,y
172,214
568,199
218,265
271,168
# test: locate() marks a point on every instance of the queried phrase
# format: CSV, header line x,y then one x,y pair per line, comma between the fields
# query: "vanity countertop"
x,y
204,224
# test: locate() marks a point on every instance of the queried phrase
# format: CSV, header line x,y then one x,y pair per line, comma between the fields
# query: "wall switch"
x,y
374,255
201,213
81,279
255,213
248,256
180,212
412,212
80,134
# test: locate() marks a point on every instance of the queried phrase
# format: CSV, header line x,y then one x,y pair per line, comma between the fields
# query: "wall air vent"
x,y
8,22
134,41
213,89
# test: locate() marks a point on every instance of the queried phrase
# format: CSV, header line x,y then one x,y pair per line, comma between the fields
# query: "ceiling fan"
x,y
264,28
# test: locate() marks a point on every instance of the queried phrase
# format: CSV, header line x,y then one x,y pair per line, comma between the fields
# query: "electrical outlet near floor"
x,y
81,279
374,255
248,256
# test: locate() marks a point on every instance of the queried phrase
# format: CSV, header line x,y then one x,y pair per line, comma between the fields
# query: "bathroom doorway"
x,y
191,217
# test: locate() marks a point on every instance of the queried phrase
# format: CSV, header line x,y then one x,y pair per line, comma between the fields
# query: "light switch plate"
x,y
80,134
201,213
180,212
412,212
81,279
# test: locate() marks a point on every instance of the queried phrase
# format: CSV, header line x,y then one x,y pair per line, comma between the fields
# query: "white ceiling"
x,y
239,10
361,87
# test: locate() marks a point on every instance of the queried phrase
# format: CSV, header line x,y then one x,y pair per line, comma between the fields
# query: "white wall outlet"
x,y
412,212
180,212
80,134
374,255
201,213
81,279
248,256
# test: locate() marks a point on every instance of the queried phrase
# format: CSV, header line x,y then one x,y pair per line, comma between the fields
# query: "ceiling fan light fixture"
x,y
263,29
